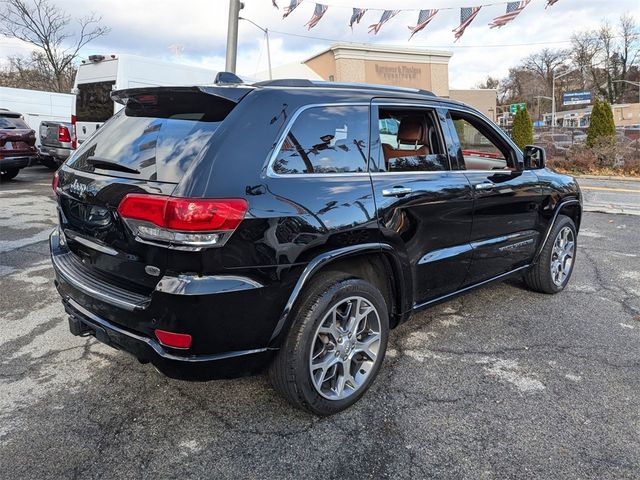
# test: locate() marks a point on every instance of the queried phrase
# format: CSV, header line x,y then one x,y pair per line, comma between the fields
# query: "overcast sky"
x,y
152,27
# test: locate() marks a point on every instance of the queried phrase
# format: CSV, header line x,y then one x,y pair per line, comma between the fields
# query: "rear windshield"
x,y
93,102
155,137
13,123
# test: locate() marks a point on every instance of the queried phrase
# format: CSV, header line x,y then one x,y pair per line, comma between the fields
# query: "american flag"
x,y
292,6
386,16
424,17
356,16
513,9
318,12
467,14
550,3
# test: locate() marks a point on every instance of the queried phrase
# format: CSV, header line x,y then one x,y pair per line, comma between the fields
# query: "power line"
x,y
325,39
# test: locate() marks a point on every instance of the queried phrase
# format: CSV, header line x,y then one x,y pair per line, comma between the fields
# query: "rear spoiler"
x,y
232,93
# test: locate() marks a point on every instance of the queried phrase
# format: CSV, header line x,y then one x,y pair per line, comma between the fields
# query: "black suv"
x,y
213,231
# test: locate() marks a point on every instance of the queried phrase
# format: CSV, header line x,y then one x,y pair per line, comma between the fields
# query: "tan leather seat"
x,y
411,131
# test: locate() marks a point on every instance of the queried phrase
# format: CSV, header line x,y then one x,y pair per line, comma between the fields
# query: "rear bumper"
x,y
16,162
148,350
56,152
228,318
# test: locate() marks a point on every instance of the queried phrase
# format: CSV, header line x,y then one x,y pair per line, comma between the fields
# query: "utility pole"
x,y
553,96
266,34
232,35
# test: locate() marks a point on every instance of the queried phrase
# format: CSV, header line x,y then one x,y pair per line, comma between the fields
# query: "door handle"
x,y
396,192
484,186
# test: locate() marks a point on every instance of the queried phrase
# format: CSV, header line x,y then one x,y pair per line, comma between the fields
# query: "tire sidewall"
x,y
562,222
9,174
312,313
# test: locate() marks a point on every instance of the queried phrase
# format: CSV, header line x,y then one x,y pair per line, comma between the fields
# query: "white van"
x,y
37,107
99,75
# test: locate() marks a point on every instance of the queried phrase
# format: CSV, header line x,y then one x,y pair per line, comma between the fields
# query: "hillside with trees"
x,y
600,58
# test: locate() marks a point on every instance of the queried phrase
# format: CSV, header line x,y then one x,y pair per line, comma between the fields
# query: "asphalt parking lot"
x,y
499,383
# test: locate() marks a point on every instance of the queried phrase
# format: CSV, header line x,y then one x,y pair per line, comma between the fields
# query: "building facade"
x,y
383,65
402,67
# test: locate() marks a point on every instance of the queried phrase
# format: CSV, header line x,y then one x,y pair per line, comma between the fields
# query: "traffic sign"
x,y
514,107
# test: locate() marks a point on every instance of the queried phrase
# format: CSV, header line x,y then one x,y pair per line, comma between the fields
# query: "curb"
x,y
610,210
608,177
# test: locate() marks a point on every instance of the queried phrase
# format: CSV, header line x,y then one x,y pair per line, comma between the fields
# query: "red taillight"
x,y
54,183
184,214
174,340
74,133
63,134
182,222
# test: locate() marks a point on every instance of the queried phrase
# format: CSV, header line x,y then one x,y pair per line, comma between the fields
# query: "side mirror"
x,y
534,157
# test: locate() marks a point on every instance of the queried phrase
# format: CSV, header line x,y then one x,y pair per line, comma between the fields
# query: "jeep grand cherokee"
x,y
215,231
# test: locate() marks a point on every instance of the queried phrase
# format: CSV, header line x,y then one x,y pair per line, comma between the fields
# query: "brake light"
x,y
63,134
74,133
54,182
174,340
192,222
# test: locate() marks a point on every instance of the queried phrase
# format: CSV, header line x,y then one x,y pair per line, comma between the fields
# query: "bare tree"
x,y
607,55
545,64
628,32
49,29
490,83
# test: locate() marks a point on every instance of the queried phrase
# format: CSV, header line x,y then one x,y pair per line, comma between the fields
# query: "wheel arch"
x,y
572,208
374,262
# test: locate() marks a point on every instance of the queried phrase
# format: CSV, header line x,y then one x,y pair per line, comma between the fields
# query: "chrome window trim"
x,y
430,103
276,149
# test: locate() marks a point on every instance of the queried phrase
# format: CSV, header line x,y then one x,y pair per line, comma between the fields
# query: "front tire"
x,y
554,268
335,347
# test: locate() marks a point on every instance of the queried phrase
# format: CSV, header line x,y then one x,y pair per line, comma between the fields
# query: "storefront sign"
x,y
576,98
398,73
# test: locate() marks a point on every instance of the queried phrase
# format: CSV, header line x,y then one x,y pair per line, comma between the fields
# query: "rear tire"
x,y
50,163
553,270
9,174
318,372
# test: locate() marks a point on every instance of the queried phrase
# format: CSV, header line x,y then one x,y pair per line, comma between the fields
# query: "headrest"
x,y
410,130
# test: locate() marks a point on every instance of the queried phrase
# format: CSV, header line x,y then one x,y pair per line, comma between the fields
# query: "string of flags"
x,y
425,16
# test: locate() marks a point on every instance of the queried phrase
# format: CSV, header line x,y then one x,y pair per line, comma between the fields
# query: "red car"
x,y
17,144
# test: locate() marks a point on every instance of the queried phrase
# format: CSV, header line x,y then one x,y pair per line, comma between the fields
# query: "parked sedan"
x,y
17,144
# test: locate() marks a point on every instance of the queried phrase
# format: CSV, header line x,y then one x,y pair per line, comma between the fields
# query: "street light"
x,y
539,97
266,34
637,84
553,96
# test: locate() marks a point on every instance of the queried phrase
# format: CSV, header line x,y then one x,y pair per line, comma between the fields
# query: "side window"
x,y
410,141
326,140
480,149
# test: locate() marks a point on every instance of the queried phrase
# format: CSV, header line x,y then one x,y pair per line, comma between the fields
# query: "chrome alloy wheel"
x,y
562,256
345,348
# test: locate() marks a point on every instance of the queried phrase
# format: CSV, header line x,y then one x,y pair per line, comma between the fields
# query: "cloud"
x,y
150,27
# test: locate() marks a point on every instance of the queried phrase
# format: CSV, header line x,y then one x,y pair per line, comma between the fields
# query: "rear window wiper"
x,y
105,164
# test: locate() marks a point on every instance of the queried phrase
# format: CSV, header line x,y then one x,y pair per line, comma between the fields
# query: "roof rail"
x,y
371,86
300,82
286,82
